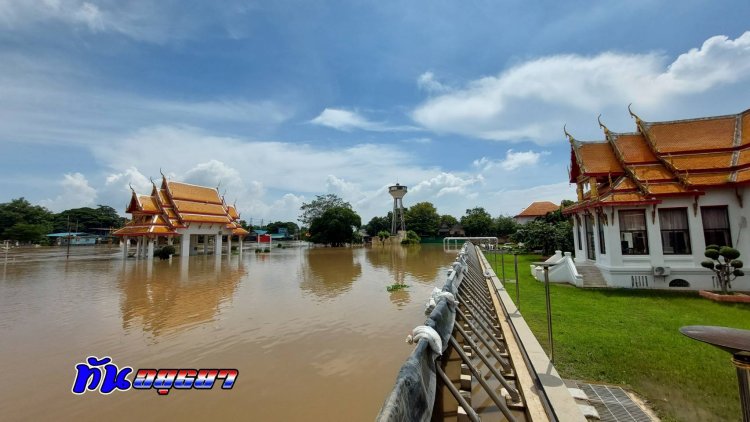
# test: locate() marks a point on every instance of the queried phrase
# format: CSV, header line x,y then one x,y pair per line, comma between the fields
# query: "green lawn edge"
x,y
630,338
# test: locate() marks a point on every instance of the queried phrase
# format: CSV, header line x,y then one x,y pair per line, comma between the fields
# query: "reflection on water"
x,y
167,300
313,331
328,272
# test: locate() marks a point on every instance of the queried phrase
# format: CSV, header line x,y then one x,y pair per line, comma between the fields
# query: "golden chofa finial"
x,y
634,116
131,188
601,125
570,137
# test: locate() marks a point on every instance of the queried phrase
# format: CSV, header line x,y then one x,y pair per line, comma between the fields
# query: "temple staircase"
x,y
592,276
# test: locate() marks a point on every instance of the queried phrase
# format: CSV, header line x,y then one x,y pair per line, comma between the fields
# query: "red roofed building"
x,y
650,201
195,214
535,210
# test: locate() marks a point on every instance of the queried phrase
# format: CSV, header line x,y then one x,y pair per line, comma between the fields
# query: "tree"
x,y
291,227
423,219
378,224
19,220
412,238
448,220
477,222
505,226
316,208
383,234
723,261
546,236
86,219
335,226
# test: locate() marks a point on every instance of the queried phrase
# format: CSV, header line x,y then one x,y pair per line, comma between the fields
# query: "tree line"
x,y
21,221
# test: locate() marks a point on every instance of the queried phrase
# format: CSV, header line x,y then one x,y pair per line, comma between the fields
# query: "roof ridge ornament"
x,y
131,188
638,120
601,125
570,137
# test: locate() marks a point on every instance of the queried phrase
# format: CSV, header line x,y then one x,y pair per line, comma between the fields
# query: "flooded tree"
x,y
321,203
335,226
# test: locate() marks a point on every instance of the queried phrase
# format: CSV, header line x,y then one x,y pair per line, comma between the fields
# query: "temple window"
x,y
675,234
716,226
600,227
633,236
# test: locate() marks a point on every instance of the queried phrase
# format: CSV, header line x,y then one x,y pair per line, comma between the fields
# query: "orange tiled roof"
x,y
745,140
709,179
652,172
239,231
194,193
190,207
597,158
539,209
692,162
633,148
175,206
692,135
666,188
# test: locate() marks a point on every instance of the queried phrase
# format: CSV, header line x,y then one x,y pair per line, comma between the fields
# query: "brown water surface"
x,y
313,332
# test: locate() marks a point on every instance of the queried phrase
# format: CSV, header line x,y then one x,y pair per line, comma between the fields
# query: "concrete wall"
x,y
637,270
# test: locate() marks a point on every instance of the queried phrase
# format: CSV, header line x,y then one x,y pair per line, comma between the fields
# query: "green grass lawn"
x,y
630,337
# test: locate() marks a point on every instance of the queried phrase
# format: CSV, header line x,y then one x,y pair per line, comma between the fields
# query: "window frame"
x,y
600,230
686,230
624,251
728,228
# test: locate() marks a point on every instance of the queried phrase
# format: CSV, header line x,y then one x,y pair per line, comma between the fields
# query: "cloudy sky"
x,y
279,101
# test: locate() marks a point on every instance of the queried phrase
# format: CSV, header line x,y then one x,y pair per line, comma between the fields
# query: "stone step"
x,y
592,276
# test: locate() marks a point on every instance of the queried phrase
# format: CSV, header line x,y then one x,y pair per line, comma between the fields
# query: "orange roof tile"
x,y
625,183
148,204
194,193
633,148
692,135
597,158
652,172
744,157
745,128
666,188
743,176
240,232
233,212
199,218
708,179
190,207
539,209
713,160
143,230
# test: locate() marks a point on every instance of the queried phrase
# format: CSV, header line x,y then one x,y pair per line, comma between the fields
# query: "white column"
x,y
138,247
150,250
185,245
240,240
205,244
125,241
169,240
229,245
217,245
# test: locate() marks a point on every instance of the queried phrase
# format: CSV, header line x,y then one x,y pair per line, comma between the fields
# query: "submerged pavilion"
x,y
195,214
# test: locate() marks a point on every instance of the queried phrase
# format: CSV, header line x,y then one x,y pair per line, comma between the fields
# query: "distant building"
x,y
194,214
535,210
650,201
452,231
75,239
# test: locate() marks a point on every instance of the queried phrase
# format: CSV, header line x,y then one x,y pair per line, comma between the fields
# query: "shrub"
x,y
412,238
164,252
724,263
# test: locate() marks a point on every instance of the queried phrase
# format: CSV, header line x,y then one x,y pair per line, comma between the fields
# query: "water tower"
x,y
397,192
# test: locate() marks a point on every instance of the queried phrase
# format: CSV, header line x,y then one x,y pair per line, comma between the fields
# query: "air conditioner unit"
x,y
662,271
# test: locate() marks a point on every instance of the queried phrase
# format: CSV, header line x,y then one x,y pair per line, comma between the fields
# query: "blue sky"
x,y
279,101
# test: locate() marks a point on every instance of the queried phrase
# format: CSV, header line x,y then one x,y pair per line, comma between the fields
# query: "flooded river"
x,y
313,332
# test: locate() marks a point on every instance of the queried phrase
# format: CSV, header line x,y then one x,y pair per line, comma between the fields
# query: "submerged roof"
x,y
674,158
175,206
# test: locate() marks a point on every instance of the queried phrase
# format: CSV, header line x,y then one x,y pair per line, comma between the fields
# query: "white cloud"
x,y
445,184
346,120
76,193
427,82
532,100
513,161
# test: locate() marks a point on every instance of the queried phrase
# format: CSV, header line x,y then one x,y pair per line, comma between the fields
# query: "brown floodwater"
x,y
312,331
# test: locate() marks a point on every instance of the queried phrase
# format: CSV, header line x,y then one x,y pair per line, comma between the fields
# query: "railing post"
x,y
518,286
549,316
502,258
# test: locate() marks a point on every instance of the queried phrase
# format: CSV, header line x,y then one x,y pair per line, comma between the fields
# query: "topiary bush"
x,y
723,261
412,238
